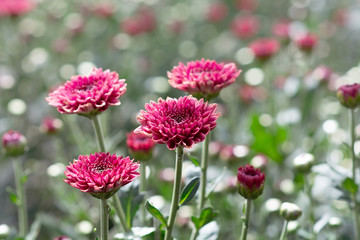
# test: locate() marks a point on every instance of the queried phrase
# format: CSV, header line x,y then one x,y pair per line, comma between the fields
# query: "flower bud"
x,y
14,143
334,222
307,42
290,211
303,162
140,146
250,182
62,238
51,125
349,95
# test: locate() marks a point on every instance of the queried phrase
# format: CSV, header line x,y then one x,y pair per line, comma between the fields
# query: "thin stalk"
x,y
307,189
246,219
284,230
176,192
353,157
118,208
203,180
104,220
142,189
21,197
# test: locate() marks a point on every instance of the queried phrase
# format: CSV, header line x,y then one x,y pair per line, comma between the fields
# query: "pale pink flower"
x,y
88,95
217,11
15,7
245,26
101,174
178,122
203,78
264,48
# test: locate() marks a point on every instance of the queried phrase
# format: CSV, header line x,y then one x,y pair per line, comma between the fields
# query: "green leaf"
x,y
194,160
155,212
268,140
349,185
131,199
207,215
12,195
189,191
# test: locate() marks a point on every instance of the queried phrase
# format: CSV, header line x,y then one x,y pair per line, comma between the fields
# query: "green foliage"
x,y
349,185
189,191
267,140
207,215
131,201
155,212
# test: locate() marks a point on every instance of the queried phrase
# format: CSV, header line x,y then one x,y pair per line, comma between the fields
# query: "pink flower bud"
x,y
250,182
51,125
245,27
306,42
349,95
264,48
140,146
14,143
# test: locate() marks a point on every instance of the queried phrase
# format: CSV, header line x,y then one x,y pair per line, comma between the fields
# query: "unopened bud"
x,y
290,211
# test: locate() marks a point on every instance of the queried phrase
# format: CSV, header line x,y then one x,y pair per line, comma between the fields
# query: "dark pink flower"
x,y
101,174
249,5
15,7
281,29
88,95
51,125
306,42
349,95
203,78
14,143
217,12
177,122
140,145
245,26
250,181
264,48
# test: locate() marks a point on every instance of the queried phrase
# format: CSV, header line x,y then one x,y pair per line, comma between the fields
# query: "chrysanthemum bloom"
x,y
88,95
177,122
14,143
349,95
244,27
290,211
306,42
140,145
15,7
250,181
101,174
264,48
51,125
217,12
204,78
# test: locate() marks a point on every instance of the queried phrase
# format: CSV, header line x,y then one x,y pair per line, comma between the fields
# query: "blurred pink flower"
x,y
306,42
264,48
177,122
204,78
14,143
62,238
15,7
249,5
281,29
245,26
139,145
88,95
143,21
51,125
104,9
216,12
101,174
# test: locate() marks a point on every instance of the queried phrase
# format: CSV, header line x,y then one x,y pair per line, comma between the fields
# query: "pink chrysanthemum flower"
x,y
101,174
14,143
88,95
306,42
15,7
250,181
203,79
139,145
178,122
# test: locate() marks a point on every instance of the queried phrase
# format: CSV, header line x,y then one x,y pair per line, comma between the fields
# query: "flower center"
x,y
178,118
100,167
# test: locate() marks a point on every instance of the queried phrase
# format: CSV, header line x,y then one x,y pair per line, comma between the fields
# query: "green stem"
x,y
176,192
311,207
203,180
246,219
104,220
353,157
284,230
21,197
118,208
142,189
98,132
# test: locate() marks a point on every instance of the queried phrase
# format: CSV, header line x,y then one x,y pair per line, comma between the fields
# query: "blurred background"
x,y
277,108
